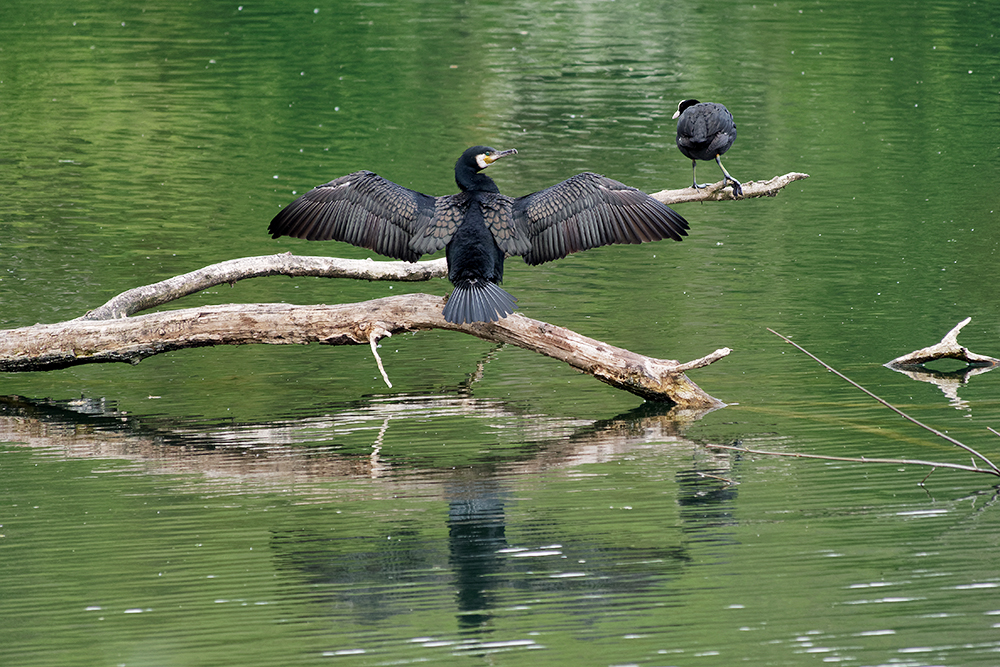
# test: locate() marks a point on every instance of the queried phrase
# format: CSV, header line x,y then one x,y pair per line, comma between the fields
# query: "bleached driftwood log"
x,y
110,333
948,348
717,192
914,365
131,339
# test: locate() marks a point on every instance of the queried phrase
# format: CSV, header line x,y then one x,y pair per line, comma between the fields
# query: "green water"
x,y
282,506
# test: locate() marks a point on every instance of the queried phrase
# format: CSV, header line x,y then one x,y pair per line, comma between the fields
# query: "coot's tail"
x,y
478,300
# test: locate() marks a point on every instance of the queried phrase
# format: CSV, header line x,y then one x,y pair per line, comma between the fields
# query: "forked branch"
x,y
948,348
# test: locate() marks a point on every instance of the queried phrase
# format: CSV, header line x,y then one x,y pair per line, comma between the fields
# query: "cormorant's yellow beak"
x,y
486,159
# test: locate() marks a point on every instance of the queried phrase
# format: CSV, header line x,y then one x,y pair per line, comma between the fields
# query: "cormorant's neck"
x,y
476,181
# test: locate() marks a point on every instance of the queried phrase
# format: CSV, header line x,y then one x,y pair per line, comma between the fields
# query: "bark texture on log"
x,y
716,191
131,339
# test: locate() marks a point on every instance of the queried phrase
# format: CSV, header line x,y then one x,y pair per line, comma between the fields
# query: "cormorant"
x,y
705,130
478,227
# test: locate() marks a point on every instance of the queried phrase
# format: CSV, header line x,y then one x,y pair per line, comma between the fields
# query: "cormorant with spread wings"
x,y
478,227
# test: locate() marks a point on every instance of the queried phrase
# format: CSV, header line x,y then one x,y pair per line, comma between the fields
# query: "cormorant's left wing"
x,y
590,210
363,209
449,213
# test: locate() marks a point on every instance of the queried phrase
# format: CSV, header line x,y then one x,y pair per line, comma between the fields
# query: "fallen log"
x,y
131,339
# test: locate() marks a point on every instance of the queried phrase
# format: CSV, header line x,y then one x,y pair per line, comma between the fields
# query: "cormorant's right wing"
x,y
590,210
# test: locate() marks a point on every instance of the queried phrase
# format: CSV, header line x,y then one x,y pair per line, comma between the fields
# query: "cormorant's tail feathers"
x,y
478,301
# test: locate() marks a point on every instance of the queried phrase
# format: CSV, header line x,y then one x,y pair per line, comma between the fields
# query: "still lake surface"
x,y
281,506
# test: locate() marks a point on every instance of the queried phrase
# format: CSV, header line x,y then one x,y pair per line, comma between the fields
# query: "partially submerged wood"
x,y
131,339
948,348
949,382
111,333
993,469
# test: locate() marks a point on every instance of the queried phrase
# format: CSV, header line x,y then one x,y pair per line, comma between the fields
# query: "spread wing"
x,y
498,213
363,209
449,212
590,210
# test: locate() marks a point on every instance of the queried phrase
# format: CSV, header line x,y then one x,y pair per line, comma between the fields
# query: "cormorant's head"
x,y
682,107
480,157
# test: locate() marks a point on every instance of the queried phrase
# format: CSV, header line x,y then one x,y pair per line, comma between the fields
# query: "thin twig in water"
x,y
862,459
717,477
994,469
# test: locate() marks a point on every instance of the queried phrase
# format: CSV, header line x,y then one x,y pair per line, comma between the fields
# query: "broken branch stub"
x,y
948,348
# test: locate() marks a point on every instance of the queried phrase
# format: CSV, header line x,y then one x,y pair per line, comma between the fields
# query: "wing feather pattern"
x,y
587,211
498,212
363,209
449,212
583,212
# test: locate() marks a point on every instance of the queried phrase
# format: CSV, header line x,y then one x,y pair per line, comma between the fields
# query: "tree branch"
x,y
285,264
132,339
994,469
716,191
856,459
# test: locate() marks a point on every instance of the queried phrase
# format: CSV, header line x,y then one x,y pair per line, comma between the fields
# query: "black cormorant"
x,y
705,130
478,227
